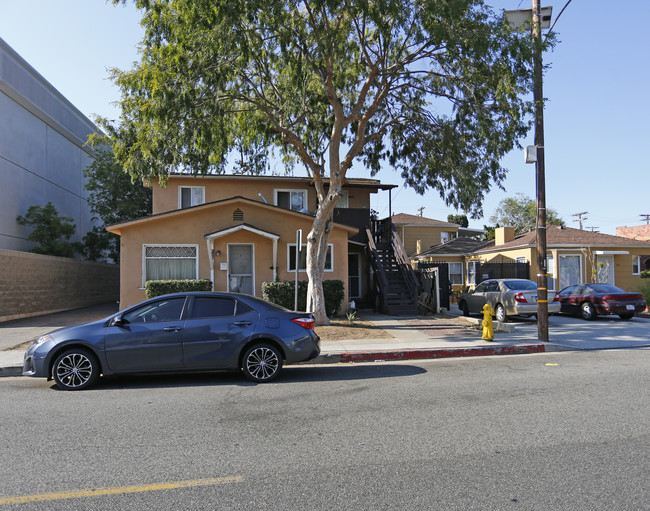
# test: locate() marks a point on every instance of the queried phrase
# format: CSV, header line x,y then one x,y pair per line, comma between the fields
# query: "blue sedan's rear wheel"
x,y
261,363
75,369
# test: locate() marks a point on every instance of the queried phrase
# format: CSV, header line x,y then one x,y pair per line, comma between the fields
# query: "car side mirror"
x,y
118,321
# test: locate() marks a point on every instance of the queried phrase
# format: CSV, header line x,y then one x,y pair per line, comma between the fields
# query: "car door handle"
x,y
243,323
172,329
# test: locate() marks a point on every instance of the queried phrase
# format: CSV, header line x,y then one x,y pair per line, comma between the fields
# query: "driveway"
x,y
605,332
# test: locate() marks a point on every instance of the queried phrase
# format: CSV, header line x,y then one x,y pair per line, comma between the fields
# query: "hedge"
x,y
283,293
162,287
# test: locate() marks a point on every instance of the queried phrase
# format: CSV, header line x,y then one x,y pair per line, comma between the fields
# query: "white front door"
x,y
240,269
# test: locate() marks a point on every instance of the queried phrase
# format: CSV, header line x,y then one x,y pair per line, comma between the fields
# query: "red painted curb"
x,y
370,356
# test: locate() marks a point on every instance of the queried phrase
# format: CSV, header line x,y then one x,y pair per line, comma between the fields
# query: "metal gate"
x,y
433,276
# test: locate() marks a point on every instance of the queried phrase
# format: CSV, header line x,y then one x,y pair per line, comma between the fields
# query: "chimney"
x,y
503,235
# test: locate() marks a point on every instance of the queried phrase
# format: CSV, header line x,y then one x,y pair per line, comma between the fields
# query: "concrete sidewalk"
x,y
412,338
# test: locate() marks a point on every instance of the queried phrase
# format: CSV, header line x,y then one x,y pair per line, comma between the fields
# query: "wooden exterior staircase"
x,y
397,283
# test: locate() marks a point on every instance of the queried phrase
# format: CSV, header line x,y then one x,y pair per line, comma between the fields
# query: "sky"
x,y
596,117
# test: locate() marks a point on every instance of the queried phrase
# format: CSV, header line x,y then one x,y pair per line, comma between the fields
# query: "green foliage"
x,y
645,274
520,212
50,230
490,231
113,197
95,245
458,219
441,100
162,287
283,293
644,287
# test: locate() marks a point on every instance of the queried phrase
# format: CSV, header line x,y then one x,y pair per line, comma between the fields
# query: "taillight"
x,y
607,297
520,298
307,323
557,297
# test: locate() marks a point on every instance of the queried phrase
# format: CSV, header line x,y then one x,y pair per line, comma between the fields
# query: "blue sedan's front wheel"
x,y
75,369
261,363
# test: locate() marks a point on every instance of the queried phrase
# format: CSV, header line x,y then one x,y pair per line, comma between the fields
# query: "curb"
x,y
415,354
11,371
347,357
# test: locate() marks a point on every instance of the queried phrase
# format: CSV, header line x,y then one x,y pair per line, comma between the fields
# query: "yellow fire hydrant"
x,y
488,330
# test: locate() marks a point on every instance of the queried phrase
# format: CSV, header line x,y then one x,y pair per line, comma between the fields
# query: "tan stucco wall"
x,y
428,236
190,227
166,198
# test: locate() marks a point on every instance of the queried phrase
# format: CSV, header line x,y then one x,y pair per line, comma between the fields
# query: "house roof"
x,y
352,181
116,228
419,221
456,247
557,236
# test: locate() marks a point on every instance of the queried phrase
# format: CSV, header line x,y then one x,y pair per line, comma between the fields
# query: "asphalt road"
x,y
551,431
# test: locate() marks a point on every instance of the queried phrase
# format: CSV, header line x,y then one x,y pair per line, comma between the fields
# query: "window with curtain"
x,y
636,265
189,196
472,268
456,273
162,262
295,200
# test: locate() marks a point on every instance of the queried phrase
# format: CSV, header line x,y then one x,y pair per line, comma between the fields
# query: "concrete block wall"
x,y
34,284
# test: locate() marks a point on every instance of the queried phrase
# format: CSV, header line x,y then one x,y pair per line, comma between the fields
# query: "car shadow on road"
x,y
290,374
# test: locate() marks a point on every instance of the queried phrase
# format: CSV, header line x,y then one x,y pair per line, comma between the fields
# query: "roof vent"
x,y
238,215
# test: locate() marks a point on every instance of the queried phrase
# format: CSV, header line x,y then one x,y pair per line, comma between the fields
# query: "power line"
x,y
592,229
645,217
580,217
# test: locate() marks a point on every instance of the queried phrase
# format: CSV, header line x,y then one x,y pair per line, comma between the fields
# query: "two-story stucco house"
x,y
240,231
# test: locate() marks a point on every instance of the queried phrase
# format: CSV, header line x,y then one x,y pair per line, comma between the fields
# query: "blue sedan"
x,y
178,332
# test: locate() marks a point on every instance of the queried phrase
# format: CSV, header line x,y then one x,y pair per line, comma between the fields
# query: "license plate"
x,y
534,298
629,307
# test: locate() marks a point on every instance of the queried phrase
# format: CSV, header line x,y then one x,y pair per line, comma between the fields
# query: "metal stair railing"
x,y
378,268
405,268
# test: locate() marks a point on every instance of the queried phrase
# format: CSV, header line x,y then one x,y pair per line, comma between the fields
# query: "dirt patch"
x,y
435,326
342,329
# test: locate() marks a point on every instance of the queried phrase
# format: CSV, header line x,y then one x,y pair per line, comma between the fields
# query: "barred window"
x,y
170,262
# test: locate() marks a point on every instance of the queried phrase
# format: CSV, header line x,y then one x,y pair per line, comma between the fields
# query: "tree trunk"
x,y
316,257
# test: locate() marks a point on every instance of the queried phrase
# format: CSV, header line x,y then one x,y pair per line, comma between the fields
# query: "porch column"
x,y
275,259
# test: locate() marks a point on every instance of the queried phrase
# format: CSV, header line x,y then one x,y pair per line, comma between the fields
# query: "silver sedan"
x,y
508,297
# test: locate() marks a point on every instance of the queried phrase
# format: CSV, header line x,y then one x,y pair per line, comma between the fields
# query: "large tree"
x,y
432,87
520,212
113,197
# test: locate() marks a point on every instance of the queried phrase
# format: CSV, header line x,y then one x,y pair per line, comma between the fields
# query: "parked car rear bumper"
x,y
525,309
606,309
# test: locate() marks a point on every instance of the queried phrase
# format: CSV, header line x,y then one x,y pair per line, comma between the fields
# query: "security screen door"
x,y
240,265
569,270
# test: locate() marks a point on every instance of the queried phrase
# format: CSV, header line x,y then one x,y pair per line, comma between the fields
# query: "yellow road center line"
x,y
120,489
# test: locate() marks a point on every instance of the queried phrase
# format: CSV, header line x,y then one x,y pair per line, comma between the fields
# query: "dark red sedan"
x,y
591,300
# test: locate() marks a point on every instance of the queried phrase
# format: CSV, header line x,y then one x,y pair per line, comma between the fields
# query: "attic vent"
x,y
238,215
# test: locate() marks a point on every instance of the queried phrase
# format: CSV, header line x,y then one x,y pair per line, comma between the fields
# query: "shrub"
x,y
162,287
645,274
283,293
644,288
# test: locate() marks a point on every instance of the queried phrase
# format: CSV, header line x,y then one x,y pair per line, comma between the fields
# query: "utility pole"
x,y
592,229
645,217
517,18
421,210
538,98
580,219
